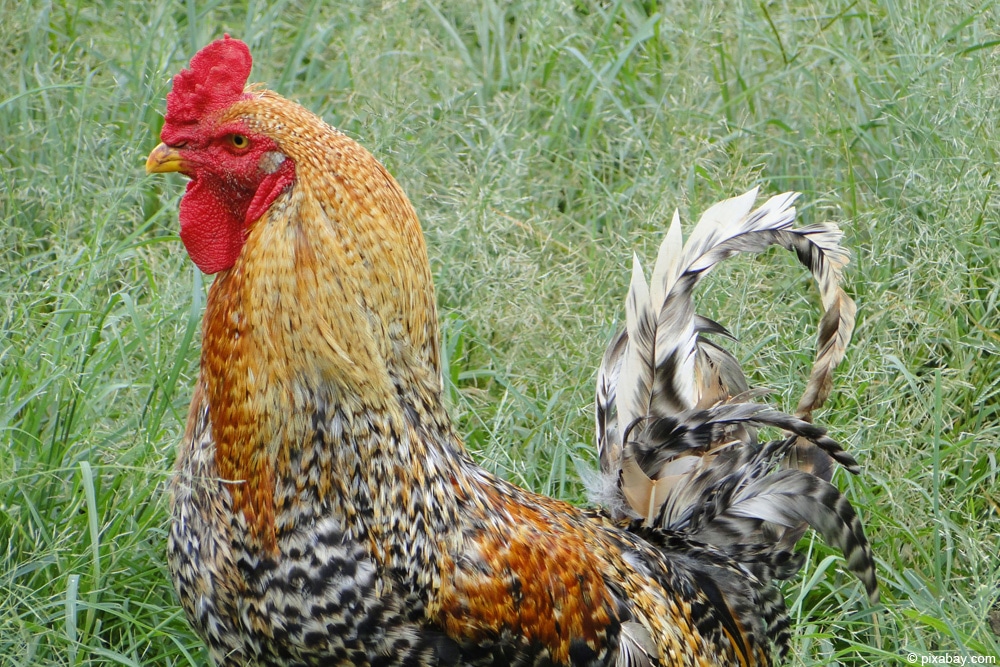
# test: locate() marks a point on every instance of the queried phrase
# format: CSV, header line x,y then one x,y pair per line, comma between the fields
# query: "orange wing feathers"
x,y
539,585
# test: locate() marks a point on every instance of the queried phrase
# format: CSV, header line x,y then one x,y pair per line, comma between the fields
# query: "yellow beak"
x,y
164,159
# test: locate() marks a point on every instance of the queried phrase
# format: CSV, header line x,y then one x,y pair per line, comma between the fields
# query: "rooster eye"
x,y
239,141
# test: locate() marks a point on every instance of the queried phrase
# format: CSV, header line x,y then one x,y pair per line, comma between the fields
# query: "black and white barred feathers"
x,y
676,428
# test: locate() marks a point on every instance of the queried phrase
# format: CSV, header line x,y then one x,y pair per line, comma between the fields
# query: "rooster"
x,y
325,511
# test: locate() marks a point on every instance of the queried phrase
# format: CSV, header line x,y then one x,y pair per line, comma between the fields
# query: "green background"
x,y
541,142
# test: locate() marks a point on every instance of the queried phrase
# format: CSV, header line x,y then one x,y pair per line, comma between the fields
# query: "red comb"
x,y
215,80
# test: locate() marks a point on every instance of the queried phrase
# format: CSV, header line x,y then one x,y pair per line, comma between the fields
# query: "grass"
x,y
541,141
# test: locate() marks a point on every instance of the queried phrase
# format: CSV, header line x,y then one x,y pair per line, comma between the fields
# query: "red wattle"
x,y
212,232
213,222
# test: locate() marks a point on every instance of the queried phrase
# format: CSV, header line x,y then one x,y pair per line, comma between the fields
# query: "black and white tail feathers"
x,y
676,431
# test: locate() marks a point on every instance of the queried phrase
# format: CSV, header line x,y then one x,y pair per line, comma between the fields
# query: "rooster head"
x,y
282,203
236,173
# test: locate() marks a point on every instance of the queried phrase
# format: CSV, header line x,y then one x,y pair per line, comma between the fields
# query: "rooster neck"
x,y
324,400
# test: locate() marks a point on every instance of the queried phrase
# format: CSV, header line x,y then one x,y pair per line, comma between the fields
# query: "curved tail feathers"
x,y
676,428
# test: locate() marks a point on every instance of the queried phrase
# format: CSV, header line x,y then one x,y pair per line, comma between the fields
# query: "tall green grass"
x,y
541,141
